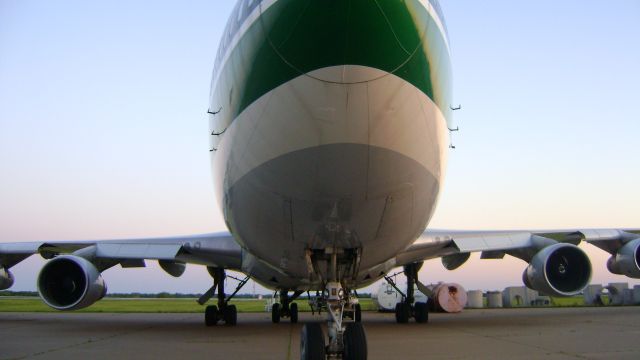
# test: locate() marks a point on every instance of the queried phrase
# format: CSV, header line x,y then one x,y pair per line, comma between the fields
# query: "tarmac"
x,y
549,333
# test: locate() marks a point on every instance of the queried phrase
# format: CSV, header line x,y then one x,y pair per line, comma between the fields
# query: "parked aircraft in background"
x,y
330,129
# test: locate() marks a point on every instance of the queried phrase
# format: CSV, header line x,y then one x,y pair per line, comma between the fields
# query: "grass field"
x,y
109,305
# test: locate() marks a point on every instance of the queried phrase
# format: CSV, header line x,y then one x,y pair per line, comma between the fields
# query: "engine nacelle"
x,y
558,270
6,279
70,282
627,260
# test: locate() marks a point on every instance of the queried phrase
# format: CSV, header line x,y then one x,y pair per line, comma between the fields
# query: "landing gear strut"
x,y
346,334
223,311
286,307
406,309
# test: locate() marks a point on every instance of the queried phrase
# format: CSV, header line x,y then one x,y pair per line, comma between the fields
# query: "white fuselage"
x,y
346,156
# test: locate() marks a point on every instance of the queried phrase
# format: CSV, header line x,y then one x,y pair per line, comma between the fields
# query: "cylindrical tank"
x,y
386,298
494,299
449,297
474,299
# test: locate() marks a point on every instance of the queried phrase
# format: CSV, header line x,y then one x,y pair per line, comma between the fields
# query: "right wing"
x,y
556,265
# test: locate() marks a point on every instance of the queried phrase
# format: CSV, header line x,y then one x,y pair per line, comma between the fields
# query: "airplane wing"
x,y
556,265
216,250
71,279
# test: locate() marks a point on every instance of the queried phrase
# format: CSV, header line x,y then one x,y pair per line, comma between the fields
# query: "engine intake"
x,y
558,270
70,283
627,260
6,279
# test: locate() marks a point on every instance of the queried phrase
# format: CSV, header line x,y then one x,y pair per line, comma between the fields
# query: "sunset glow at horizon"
x,y
103,127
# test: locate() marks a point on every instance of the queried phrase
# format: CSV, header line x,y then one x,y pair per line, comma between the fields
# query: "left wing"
x,y
75,266
556,265
217,249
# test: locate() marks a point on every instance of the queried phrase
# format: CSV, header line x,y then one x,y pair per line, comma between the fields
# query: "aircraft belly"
x,y
347,146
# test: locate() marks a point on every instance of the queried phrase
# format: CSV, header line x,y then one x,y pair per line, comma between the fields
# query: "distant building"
x,y
616,293
593,295
519,296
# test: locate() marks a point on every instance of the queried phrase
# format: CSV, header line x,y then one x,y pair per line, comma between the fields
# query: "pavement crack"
x,y
503,339
290,341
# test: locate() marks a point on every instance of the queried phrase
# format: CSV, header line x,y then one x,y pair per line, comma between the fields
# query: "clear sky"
x,y
103,132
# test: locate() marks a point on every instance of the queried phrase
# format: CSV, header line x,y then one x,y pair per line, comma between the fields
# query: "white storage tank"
x,y
494,299
474,299
386,298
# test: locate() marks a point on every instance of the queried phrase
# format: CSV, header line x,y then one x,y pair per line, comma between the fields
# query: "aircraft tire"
x,y
357,313
211,315
403,312
230,315
275,313
355,342
422,312
312,342
293,309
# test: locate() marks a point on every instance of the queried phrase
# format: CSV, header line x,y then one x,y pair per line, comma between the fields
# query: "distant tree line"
x,y
160,295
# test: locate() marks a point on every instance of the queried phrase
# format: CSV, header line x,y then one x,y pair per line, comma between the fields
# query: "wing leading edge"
x,y
216,250
556,265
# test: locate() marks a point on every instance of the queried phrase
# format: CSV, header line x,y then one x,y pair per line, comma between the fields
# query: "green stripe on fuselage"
x,y
294,37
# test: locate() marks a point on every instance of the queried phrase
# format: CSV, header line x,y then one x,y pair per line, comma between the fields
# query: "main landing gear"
x,y
223,311
286,307
406,309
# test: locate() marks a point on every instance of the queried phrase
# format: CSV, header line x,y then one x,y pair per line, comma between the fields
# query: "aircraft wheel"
x,y
293,309
403,311
230,315
355,342
210,315
422,312
431,305
312,342
275,313
357,313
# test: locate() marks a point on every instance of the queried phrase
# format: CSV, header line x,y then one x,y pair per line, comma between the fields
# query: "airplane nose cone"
x,y
311,36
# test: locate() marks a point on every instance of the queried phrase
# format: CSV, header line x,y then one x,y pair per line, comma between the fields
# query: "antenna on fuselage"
x,y
214,133
214,112
451,146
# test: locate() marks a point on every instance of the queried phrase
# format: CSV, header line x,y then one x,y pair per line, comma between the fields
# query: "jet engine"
x,y
6,279
70,282
627,260
558,270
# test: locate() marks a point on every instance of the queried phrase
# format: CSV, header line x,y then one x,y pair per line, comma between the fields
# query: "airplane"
x,y
329,125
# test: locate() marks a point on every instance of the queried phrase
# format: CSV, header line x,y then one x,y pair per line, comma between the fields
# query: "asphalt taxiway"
x,y
549,333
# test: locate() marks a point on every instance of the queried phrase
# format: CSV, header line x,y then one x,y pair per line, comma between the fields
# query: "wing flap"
x,y
492,241
217,249
137,251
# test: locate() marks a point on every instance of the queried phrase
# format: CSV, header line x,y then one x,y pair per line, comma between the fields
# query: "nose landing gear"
x,y
346,334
